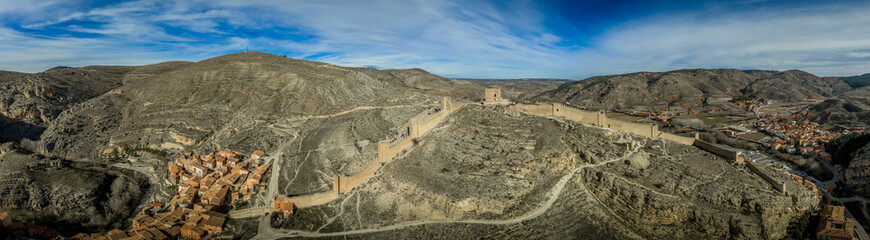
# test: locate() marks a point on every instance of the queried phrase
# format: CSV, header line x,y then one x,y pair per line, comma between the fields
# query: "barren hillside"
x,y
692,87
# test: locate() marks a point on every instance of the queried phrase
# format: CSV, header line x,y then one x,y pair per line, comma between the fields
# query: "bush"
x,y
836,202
841,148
131,150
796,230
740,98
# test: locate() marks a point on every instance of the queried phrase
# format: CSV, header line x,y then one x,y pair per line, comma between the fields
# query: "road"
x,y
266,232
858,229
153,182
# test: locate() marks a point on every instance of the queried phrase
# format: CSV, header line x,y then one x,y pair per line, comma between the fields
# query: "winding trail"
x,y
266,232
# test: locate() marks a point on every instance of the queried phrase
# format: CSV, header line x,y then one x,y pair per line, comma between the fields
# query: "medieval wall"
x,y
578,115
417,126
351,182
728,154
676,138
537,110
312,199
640,129
779,186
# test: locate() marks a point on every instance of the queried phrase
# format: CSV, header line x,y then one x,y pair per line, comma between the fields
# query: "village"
x,y
208,186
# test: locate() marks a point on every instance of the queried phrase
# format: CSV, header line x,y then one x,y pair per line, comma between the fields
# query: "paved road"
x,y
858,229
266,232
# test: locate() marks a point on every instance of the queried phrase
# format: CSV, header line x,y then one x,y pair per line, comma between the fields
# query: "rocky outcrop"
x,y
843,111
687,194
85,199
857,175
233,101
30,102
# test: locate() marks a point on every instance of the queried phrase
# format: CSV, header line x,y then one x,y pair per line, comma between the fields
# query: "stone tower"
x,y
492,95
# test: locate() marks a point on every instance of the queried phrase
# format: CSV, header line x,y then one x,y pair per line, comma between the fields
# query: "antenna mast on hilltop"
x,y
246,48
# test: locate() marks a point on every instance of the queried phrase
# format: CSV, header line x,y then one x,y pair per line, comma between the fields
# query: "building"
x,y
286,207
492,95
834,226
257,154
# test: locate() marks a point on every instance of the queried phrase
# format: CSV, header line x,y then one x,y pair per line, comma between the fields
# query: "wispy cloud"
x,y
826,40
453,38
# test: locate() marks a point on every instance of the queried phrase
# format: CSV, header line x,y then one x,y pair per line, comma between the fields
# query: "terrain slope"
x,y
692,87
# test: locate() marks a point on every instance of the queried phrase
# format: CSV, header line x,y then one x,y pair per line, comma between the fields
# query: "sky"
x,y
459,39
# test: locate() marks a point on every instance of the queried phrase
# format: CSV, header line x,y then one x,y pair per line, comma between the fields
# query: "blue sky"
x,y
471,39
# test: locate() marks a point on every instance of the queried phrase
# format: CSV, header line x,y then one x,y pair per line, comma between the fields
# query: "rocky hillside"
x,y
237,101
856,176
519,90
30,102
84,199
692,87
484,173
843,111
858,92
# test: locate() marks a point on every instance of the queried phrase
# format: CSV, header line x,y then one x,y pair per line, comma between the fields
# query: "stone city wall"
x,y
779,186
599,119
728,154
646,130
677,139
417,127
312,199
640,129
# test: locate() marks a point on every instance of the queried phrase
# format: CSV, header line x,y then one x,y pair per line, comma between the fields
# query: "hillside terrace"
x,y
207,185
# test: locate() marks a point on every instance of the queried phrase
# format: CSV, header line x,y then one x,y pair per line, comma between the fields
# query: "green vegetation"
x,y
857,81
740,98
841,148
796,230
131,150
836,202
171,187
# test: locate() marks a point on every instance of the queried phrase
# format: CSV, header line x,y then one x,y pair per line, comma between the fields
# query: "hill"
x,y
236,101
692,87
484,171
857,81
519,89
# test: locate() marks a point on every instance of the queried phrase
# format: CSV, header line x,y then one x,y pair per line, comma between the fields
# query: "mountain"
x,y
857,81
227,101
520,89
30,102
691,87
858,92
535,177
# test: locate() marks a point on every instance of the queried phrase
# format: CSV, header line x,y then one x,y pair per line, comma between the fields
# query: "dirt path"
x,y
266,232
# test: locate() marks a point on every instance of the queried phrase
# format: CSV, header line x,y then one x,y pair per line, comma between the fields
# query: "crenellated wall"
x,y
779,186
312,199
640,129
728,154
341,184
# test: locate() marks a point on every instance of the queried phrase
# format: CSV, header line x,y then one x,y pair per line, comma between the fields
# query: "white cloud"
x,y
467,39
825,41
